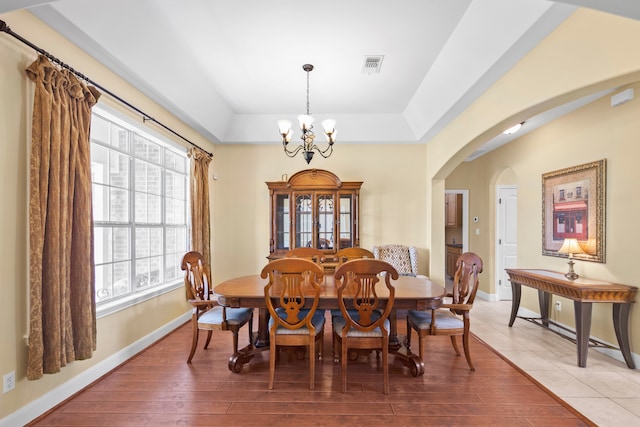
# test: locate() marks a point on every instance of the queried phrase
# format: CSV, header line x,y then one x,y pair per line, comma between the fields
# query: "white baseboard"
x,y
487,297
41,405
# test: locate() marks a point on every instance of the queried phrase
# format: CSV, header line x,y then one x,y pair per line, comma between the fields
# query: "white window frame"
x,y
111,306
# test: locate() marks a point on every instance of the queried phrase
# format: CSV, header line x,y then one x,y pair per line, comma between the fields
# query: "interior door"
x,y
507,237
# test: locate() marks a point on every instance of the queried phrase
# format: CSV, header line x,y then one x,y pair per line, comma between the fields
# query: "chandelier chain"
x,y
308,113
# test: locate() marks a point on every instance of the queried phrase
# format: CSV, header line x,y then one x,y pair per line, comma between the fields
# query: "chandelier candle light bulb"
x,y
306,126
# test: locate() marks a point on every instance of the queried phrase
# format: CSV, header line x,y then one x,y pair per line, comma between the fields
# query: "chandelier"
x,y
306,126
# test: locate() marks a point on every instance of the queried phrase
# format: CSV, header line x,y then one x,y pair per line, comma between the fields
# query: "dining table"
x,y
411,293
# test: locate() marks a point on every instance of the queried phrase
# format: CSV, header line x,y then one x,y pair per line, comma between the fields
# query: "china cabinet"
x,y
313,208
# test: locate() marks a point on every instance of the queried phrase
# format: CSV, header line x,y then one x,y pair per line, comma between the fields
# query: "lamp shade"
x,y
570,247
305,121
329,125
284,126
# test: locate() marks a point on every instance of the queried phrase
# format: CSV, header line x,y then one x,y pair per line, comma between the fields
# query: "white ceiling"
x,y
230,69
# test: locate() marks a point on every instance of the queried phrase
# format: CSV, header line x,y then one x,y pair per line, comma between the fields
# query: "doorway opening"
x,y
456,229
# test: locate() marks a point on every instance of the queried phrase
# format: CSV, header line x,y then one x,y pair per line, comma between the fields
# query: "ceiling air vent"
x,y
372,64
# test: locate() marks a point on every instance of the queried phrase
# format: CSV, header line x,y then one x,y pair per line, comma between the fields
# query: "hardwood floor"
x,y
158,388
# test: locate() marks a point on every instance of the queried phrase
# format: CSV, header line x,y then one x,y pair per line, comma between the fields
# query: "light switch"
x,y
477,231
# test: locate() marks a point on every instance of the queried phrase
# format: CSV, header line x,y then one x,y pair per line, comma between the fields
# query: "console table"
x,y
583,292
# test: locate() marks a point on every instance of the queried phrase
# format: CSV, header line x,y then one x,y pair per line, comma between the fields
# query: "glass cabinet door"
x,y
325,221
282,222
303,220
345,221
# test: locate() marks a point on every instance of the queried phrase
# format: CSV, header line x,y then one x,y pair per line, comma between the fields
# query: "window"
x,y
140,202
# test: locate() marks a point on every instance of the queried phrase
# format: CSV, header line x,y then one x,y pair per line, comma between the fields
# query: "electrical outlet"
x,y
8,382
558,306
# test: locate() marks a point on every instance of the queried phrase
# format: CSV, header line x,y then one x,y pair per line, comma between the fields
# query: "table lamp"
x,y
571,247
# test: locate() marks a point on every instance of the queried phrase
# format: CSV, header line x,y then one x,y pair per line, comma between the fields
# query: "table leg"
x,y
516,292
262,338
583,329
543,299
258,344
408,359
621,325
394,343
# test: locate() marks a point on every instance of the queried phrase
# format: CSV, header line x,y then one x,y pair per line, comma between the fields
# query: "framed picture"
x,y
573,207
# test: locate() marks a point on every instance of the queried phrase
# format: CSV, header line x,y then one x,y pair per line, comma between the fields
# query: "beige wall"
x,y
402,195
597,131
392,208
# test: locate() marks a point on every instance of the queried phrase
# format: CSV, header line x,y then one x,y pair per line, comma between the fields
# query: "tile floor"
x,y
606,391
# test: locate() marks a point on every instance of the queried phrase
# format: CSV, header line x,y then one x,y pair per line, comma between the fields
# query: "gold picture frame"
x,y
573,206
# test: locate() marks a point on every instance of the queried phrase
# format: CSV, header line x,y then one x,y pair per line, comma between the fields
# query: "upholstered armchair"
x,y
403,258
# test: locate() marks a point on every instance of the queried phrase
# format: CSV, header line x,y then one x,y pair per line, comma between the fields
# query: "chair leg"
x,y
467,353
251,331
343,359
194,342
455,344
320,339
206,344
385,365
421,345
312,363
272,360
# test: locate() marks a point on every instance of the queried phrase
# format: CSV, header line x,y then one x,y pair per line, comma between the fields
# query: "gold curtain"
x,y
199,187
62,284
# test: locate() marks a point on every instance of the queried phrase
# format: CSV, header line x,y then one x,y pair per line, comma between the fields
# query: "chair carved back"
x,y
291,282
347,254
465,281
196,276
313,254
360,284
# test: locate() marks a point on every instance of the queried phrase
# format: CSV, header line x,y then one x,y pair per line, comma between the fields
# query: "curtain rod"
x,y
145,117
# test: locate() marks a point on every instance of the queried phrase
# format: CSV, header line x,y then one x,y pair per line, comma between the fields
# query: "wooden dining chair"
x,y
364,320
313,254
206,313
347,254
453,318
292,296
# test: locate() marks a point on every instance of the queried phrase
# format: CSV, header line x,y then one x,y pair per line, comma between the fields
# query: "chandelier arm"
x,y
292,153
323,152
